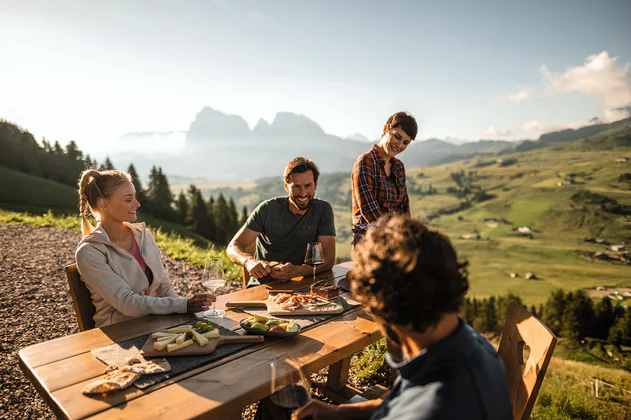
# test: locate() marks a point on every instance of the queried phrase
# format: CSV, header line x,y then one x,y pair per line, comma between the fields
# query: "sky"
x,y
91,71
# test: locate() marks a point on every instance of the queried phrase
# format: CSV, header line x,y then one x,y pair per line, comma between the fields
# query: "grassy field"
x,y
526,194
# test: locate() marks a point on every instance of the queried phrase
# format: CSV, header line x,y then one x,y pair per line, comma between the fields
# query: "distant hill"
x,y
616,137
568,135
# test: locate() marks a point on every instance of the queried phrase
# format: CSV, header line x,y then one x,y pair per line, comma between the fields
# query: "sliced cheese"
x,y
201,340
160,345
168,340
172,347
162,335
180,338
211,334
180,329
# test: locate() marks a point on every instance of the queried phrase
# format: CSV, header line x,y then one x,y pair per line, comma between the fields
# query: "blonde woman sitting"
x,y
119,261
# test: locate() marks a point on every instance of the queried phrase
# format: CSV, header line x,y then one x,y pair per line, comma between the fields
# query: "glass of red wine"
x,y
290,388
314,256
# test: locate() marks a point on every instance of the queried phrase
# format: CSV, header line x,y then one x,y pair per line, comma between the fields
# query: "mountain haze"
x,y
223,147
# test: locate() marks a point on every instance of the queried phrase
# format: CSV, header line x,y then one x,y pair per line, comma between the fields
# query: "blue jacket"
x,y
461,377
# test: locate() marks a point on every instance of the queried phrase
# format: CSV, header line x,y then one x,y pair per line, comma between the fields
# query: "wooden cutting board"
x,y
196,349
274,308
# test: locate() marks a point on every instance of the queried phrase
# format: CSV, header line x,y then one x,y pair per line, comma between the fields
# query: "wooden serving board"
x,y
196,349
274,308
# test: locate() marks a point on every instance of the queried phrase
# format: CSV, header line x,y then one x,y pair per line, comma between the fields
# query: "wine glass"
x,y
213,278
314,256
290,388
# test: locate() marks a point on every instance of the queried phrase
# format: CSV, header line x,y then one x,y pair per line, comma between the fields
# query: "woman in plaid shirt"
x,y
379,178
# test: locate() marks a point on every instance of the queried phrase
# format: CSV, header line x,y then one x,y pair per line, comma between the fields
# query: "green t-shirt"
x,y
284,235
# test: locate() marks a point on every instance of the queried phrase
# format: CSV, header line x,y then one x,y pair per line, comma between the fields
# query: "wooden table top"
x,y
60,368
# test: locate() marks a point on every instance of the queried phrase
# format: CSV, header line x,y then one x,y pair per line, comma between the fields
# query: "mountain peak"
x,y
357,137
290,124
211,123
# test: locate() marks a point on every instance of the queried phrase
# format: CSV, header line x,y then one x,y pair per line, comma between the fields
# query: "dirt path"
x,y
35,304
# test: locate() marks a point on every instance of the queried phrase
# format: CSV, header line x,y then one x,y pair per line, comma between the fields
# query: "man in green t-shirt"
x,y
283,226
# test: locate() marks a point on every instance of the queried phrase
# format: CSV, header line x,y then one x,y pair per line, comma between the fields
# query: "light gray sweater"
x,y
119,287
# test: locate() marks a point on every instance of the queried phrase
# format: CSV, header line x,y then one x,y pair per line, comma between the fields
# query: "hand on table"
x,y
316,410
200,302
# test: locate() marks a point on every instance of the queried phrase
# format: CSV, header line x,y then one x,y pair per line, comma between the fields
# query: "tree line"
x,y
572,315
214,219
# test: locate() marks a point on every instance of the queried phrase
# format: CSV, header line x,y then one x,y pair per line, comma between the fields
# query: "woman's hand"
x,y
200,302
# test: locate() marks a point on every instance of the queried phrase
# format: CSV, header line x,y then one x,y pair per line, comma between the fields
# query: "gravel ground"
x,y
34,297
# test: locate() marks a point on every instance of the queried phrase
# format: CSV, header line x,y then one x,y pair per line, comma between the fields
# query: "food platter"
x,y
188,340
274,307
247,323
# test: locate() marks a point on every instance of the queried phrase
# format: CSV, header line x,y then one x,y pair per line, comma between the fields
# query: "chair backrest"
x,y
81,298
250,249
525,372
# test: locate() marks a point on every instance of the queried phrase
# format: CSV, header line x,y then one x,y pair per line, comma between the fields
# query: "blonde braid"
x,y
87,177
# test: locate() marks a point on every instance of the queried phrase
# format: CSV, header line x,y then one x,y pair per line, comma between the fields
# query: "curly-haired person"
x,y
409,277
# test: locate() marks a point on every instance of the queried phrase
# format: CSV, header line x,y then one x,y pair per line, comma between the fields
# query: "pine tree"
x,y
533,310
578,319
202,221
554,309
222,220
182,208
211,205
159,195
89,163
605,318
487,319
540,311
107,165
234,217
620,332
244,216
135,179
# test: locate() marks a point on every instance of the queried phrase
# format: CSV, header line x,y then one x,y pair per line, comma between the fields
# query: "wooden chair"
x,y
525,372
81,298
245,275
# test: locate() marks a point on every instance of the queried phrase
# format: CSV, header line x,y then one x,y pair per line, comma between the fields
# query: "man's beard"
x,y
302,206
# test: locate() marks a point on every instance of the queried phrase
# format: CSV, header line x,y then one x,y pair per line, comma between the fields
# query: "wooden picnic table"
x,y
60,368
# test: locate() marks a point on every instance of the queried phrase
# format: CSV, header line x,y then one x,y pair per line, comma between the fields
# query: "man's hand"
x,y
200,302
316,410
257,268
287,272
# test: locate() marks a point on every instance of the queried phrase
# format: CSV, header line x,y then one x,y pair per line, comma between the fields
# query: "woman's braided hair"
x,y
408,274
93,186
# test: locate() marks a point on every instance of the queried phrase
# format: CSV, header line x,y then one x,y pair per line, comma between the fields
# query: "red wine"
x,y
290,396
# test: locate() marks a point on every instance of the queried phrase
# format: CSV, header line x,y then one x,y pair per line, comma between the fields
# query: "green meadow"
x,y
526,193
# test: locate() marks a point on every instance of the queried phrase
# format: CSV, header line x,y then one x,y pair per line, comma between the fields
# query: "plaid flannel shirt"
x,y
374,192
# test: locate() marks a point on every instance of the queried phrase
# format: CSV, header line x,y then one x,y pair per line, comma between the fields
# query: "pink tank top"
x,y
135,251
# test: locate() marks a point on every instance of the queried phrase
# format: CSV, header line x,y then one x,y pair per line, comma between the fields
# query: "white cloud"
x,y
519,97
600,78
495,133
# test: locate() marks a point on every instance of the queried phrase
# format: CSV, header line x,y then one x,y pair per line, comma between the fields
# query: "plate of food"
x,y
270,327
186,340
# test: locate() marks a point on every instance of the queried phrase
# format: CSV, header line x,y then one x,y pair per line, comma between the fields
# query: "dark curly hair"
x,y
408,274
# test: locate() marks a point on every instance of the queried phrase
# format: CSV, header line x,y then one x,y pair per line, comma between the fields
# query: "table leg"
x,y
338,374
